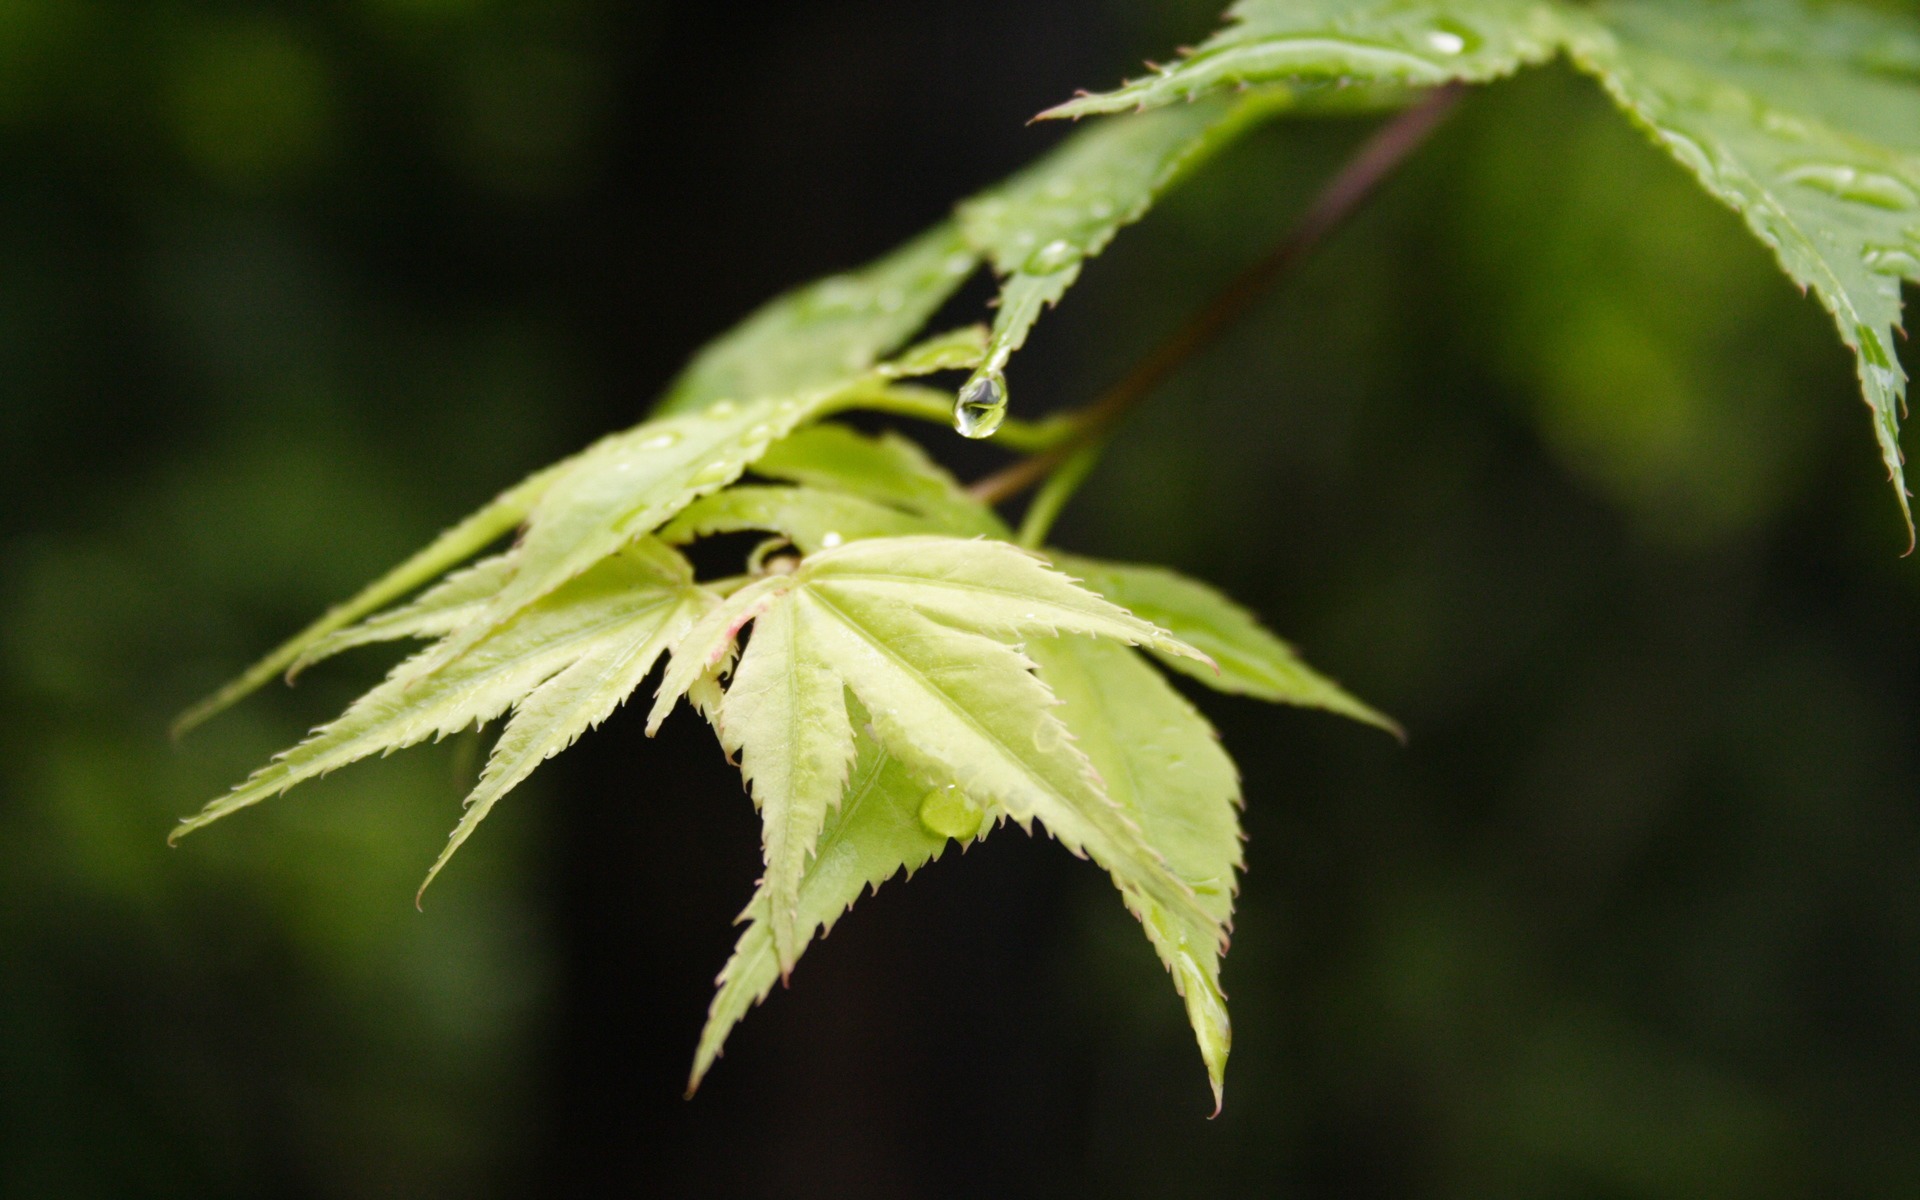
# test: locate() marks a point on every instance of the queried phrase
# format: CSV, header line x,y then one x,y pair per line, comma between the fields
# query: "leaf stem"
x,y
1343,196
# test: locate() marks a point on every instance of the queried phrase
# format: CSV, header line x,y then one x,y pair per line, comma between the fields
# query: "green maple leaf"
x,y
1038,228
920,629
1803,117
1309,42
585,508
874,833
888,469
818,335
1163,767
1803,120
1245,658
811,518
562,664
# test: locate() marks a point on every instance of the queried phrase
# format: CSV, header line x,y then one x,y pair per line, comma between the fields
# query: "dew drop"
x,y
830,539
981,405
1851,183
719,410
1052,257
716,472
1100,210
1451,37
1893,260
950,812
660,441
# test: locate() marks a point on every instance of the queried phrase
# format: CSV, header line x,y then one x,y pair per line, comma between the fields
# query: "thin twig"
x,y
1345,195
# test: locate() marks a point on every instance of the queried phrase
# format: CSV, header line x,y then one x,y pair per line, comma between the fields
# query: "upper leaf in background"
x,y
827,330
1804,117
1037,228
1411,42
1806,120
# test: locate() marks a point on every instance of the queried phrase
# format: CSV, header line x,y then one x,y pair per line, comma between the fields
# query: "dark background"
x,y
1541,455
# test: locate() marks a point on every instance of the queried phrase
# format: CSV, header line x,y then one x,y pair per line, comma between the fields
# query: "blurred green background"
x,y
1541,455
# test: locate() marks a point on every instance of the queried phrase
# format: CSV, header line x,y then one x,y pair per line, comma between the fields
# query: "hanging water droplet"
x,y
1851,183
981,405
1052,257
950,812
660,441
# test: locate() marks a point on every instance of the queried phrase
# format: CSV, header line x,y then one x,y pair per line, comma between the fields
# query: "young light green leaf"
x,y
829,330
964,707
1801,118
874,834
1164,768
709,647
628,485
811,518
1306,42
987,586
888,469
915,627
786,717
1251,660
436,612
627,597
1041,225
554,715
449,550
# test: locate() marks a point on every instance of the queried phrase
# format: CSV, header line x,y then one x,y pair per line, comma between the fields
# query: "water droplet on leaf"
x,y
830,539
950,812
722,409
660,441
1851,183
1893,260
981,405
1451,37
1052,257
